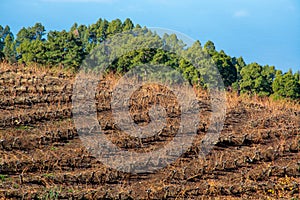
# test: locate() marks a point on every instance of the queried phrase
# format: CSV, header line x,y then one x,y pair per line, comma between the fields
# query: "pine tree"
x,y
286,85
257,79
127,25
9,49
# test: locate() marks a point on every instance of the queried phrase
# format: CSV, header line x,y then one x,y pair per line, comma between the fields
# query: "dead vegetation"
x,y
42,156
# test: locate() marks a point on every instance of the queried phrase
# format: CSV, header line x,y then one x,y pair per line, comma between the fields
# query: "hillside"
x,y
70,48
42,156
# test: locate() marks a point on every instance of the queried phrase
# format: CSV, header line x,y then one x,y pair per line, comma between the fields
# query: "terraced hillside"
x,y
42,157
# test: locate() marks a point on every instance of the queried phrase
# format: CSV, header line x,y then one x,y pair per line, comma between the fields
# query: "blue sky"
x,y
265,31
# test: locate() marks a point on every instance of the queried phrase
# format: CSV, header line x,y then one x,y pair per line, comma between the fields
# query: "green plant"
x,y
51,194
48,175
3,177
70,190
53,148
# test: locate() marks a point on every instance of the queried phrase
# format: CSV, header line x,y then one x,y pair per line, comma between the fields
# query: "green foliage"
x,y
224,63
64,48
226,68
9,49
172,43
52,193
30,44
127,25
286,85
35,32
69,48
55,47
239,64
210,48
115,26
257,79
1,39
167,52
32,51
3,177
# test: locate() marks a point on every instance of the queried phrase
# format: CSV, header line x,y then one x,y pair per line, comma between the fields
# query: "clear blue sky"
x,y
265,31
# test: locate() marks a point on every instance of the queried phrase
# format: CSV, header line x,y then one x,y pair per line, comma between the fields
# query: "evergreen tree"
x,y
30,44
226,68
74,51
4,33
257,79
1,44
70,48
115,26
239,64
55,47
9,49
35,32
172,43
127,25
102,30
64,48
210,48
286,85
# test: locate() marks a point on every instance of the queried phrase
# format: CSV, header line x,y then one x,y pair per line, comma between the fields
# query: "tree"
x,y
210,48
35,32
1,39
69,48
74,51
257,79
226,68
115,26
102,30
64,48
223,62
239,64
22,35
297,76
30,44
202,73
268,72
127,25
54,48
4,32
172,43
1,44
9,49
286,85
32,51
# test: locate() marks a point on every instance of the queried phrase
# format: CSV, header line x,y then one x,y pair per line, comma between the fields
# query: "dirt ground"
x,y
42,156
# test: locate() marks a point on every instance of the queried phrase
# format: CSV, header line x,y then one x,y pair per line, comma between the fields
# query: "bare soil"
x,y
42,157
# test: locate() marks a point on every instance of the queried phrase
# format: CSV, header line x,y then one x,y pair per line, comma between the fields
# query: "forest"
x,y
69,48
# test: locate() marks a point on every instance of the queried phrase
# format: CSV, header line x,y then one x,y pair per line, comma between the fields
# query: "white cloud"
x,y
241,13
80,1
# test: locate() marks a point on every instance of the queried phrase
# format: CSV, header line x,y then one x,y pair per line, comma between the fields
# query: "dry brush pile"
x,y
42,157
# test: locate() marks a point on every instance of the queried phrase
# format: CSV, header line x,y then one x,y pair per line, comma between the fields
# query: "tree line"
x,y
69,48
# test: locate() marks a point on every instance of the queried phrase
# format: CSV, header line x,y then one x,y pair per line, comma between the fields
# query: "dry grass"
x,y
42,156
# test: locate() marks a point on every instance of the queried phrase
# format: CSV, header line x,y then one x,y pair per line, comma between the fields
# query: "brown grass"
x,y
42,156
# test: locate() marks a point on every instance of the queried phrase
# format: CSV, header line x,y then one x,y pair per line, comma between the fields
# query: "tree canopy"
x,y
69,49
